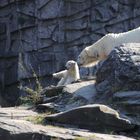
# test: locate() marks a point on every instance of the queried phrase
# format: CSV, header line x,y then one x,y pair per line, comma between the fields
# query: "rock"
x,y
67,97
128,103
16,128
88,73
77,24
21,130
51,99
52,91
46,108
76,94
120,72
16,113
129,98
93,117
85,89
2,101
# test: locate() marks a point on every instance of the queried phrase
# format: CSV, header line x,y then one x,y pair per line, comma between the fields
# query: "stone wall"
x,y
41,35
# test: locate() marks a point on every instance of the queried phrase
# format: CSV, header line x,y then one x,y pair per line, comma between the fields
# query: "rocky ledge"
x,y
14,126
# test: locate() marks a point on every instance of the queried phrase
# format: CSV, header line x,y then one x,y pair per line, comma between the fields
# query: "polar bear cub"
x,y
68,76
102,48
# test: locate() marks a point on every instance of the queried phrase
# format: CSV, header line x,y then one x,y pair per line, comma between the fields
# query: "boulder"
x,y
64,98
85,89
76,94
16,113
21,130
52,91
46,108
99,118
120,72
129,104
17,128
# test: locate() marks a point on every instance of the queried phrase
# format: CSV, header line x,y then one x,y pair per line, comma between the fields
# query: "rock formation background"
x,y
41,35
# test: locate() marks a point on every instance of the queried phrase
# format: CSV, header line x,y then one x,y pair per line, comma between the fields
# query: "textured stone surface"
x,y
128,103
121,71
21,130
19,113
84,89
50,32
94,117
13,126
58,99
75,95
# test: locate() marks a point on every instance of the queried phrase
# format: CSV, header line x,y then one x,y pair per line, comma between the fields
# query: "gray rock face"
x,y
121,71
16,113
75,95
14,126
58,99
93,117
85,89
50,32
21,130
128,103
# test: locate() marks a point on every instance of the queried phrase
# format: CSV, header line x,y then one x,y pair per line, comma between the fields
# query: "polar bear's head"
x,y
87,57
73,69
70,64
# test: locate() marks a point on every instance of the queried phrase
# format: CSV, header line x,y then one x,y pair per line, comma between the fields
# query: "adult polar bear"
x,y
101,49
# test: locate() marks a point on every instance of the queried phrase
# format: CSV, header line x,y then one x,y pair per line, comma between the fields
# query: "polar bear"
x,y
101,49
70,75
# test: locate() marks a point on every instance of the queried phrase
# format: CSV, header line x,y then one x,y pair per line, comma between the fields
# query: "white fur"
x,y
70,75
102,48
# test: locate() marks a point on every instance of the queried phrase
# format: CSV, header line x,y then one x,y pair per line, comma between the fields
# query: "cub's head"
x,y
73,69
86,58
70,64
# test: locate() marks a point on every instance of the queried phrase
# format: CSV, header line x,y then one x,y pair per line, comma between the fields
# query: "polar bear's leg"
x,y
60,74
61,82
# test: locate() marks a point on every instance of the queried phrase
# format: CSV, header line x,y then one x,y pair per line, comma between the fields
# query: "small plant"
x,y
86,138
39,119
81,138
33,95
